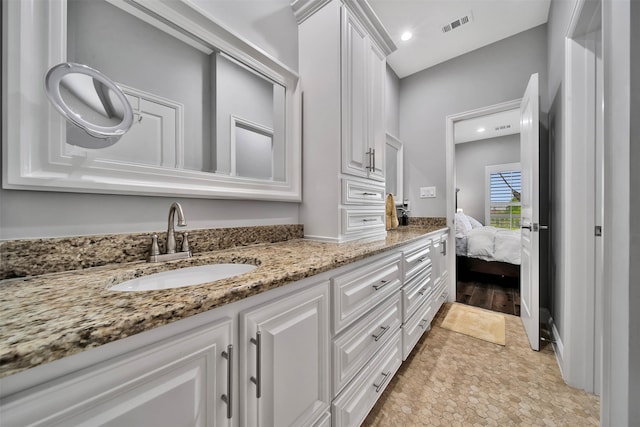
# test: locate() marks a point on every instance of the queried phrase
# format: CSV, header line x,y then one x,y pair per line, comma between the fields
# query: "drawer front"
x,y
416,292
356,292
355,402
362,193
324,421
416,260
441,294
362,220
353,349
413,329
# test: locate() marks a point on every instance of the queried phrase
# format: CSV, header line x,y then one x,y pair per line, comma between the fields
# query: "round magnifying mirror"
x,y
90,101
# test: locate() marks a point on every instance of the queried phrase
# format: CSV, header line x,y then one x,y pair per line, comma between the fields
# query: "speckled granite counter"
x,y
51,316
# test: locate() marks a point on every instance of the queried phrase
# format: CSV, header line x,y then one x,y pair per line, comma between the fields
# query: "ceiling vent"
x,y
458,23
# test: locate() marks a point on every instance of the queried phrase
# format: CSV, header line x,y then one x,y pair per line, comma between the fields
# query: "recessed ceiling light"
x,y
406,36
480,130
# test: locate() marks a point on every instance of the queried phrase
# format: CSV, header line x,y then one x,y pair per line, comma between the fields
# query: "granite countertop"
x,y
51,316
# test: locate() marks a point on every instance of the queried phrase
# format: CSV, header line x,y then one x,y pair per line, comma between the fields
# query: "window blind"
x,y
504,193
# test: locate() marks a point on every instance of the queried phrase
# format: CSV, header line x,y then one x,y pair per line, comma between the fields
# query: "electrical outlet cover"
x,y
427,192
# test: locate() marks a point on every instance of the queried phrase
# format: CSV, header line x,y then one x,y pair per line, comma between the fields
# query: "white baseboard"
x,y
558,347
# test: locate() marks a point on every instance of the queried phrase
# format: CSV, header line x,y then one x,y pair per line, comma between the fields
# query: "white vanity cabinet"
x,y
363,73
366,345
342,56
420,288
284,360
178,381
314,353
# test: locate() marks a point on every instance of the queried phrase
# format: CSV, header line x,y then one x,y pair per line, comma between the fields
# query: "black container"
x,y
404,218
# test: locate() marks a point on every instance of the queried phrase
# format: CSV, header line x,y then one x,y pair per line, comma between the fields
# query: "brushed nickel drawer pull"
x,y
378,336
369,219
383,284
257,379
381,383
423,323
424,290
369,194
227,398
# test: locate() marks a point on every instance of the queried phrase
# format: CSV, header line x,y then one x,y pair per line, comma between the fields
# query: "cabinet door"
x,y
355,94
177,382
377,134
284,360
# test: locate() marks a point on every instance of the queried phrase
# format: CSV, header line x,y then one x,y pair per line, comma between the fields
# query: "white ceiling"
x,y
494,125
492,20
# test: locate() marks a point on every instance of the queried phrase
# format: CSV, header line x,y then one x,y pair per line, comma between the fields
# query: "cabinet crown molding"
x,y
303,9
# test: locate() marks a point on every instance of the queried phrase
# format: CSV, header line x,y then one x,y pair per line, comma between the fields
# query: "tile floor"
x,y
451,379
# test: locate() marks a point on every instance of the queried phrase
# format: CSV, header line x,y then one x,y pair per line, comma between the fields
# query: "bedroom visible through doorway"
x,y
488,189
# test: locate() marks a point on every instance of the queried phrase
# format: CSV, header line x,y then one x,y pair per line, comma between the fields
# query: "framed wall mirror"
x,y
213,115
394,163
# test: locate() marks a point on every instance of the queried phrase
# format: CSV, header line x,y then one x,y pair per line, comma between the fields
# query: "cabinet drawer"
x,y
362,193
355,402
356,292
417,259
361,341
416,292
441,294
324,421
362,220
413,329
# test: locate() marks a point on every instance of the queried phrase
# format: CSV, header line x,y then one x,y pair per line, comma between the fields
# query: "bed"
x,y
486,249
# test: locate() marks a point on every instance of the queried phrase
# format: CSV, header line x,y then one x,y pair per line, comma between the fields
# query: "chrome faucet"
x,y
171,254
171,237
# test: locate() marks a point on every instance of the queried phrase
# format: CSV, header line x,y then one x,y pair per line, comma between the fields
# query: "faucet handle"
x,y
155,250
185,243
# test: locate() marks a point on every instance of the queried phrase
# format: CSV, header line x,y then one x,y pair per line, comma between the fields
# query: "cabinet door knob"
x,y
227,398
257,379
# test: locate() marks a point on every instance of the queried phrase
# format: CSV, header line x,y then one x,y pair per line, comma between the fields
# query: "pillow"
x,y
474,222
463,226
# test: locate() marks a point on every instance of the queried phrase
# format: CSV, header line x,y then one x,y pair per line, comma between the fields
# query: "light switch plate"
x,y
427,192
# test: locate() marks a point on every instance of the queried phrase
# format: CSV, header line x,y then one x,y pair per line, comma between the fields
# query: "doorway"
x,y
527,237
488,188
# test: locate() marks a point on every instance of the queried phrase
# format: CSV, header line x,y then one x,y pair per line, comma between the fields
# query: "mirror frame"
x,y
35,152
398,146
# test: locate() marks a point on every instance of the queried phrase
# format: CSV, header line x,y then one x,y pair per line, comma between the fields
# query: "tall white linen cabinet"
x,y
342,56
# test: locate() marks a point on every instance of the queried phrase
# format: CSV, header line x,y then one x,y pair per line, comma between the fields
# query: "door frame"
x,y
451,175
577,346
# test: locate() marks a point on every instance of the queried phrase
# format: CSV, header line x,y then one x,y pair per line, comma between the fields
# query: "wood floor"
x,y
490,292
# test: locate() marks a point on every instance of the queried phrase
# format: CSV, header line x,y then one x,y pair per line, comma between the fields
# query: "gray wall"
x,y
471,159
634,253
392,102
28,214
490,75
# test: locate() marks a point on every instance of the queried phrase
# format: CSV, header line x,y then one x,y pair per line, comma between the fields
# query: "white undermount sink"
x,y
188,276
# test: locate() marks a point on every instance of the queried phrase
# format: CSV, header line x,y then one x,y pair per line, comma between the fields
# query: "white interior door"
x,y
530,254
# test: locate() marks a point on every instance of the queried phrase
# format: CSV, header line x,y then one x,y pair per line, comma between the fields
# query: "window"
x,y
502,201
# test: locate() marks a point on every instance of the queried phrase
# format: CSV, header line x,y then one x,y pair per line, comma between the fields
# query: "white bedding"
x,y
489,244
494,244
